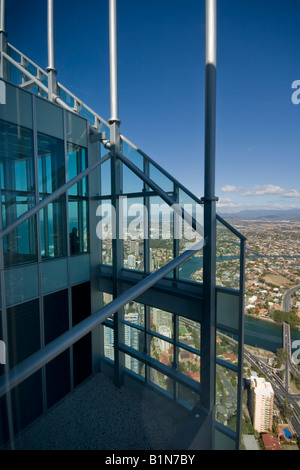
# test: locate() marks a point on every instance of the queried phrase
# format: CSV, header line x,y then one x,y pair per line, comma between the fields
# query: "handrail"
x,y
168,199
58,192
162,170
23,70
37,360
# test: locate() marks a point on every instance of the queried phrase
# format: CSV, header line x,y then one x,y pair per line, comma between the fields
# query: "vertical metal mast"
x,y
208,327
116,183
52,72
113,57
2,37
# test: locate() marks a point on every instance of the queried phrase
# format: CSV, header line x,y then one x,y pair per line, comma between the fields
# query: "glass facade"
x,y
105,233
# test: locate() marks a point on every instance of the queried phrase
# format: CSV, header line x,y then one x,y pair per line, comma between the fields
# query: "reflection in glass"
x,y
160,380
108,334
134,313
134,365
17,192
161,233
187,397
133,233
228,258
226,397
78,200
227,346
189,333
51,175
189,364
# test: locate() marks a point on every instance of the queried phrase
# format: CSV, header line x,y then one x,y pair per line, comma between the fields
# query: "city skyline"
x,y
161,68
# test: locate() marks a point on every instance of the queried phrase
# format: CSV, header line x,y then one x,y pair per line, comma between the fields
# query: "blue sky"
x,y
161,53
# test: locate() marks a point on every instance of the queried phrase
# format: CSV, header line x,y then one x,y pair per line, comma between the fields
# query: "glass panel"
x,y
106,299
131,182
160,380
76,129
134,313
192,269
106,178
78,201
160,179
49,118
18,107
104,230
189,364
228,308
133,230
21,284
109,343
161,322
161,233
186,396
226,397
135,157
134,338
54,275
134,365
161,350
227,346
228,258
189,333
17,193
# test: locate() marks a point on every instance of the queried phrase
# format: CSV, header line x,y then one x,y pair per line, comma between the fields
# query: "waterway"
x,y
258,333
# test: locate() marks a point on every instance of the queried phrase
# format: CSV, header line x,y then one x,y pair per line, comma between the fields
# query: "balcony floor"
x,y
100,416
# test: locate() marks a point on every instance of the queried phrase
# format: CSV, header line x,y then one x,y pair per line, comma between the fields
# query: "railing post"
x,y
208,326
116,182
52,72
3,36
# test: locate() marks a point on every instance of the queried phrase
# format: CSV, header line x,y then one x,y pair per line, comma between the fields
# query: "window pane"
x,y
133,230
17,192
189,333
161,233
78,201
226,397
189,364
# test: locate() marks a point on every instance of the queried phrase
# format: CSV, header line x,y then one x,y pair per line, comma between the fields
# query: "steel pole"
x,y
52,72
2,19
2,39
113,58
208,326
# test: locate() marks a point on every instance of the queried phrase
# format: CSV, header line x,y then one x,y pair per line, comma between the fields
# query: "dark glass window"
x,y
17,192
56,315
78,201
51,175
23,328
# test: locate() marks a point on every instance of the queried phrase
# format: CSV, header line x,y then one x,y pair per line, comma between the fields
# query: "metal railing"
x,y
63,342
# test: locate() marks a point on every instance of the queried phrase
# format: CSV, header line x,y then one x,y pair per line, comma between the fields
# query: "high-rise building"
x,y
65,285
261,404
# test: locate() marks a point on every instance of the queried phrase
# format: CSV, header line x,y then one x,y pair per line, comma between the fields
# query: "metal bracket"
x,y
97,136
209,199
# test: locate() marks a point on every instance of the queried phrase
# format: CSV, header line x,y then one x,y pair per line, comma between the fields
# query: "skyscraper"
x,y
65,287
261,404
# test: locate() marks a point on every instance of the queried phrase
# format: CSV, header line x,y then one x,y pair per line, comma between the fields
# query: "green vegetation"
x,y
289,317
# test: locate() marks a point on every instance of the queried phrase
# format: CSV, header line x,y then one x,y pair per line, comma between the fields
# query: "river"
x,y
258,333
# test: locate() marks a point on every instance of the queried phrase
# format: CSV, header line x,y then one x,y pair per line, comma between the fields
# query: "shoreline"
x,y
270,320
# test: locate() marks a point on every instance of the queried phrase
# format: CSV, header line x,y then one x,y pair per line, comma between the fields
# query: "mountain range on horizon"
x,y
264,214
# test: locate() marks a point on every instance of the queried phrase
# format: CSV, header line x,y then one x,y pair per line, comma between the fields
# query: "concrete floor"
x,y
100,416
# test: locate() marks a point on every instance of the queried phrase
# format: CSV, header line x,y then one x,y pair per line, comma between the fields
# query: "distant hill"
x,y
271,215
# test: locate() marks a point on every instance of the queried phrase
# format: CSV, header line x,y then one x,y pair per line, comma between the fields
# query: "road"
x,y
286,300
